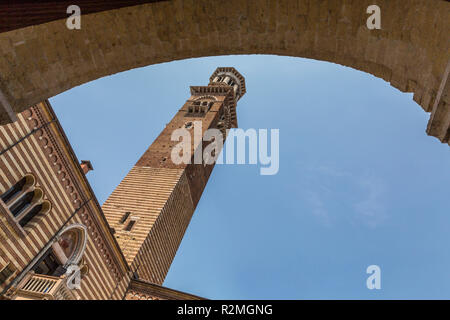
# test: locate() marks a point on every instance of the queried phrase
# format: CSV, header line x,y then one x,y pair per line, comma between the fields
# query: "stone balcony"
x,y
42,287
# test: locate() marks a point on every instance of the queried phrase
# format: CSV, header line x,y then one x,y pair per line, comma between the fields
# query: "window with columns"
x,y
200,106
230,81
25,201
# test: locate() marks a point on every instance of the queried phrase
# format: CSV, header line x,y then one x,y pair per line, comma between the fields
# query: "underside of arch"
x,y
411,50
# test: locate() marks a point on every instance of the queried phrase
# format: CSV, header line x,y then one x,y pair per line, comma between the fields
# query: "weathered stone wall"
x,y
411,51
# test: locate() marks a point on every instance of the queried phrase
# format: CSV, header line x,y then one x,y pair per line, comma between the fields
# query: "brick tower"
x,y
151,208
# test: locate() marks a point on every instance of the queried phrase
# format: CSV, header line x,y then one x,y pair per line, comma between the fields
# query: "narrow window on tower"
x,y
38,209
124,217
130,225
197,109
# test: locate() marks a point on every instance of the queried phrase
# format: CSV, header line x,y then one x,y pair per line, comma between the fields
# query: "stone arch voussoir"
x,y
411,51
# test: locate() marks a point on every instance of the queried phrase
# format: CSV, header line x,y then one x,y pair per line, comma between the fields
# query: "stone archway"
x,y
411,51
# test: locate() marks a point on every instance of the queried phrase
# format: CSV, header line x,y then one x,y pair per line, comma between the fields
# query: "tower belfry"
x,y
152,206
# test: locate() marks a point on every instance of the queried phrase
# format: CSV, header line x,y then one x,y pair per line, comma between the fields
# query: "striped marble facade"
x,y
36,145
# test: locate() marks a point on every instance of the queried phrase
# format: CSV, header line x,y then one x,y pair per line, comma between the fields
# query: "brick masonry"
x,y
160,196
411,51
132,240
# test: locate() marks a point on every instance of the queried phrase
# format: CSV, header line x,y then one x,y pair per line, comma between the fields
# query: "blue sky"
x,y
360,182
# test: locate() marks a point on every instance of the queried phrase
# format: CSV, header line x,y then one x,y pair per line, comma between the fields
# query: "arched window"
x,y
130,225
14,190
200,106
69,242
42,208
19,188
25,201
67,250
